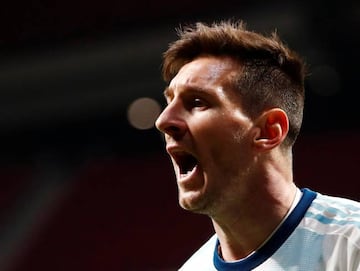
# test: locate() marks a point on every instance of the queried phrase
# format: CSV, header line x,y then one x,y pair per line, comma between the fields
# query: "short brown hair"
x,y
272,75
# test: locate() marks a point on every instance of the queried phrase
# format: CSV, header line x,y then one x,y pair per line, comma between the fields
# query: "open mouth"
x,y
186,163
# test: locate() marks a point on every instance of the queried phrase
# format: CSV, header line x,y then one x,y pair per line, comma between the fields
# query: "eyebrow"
x,y
194,89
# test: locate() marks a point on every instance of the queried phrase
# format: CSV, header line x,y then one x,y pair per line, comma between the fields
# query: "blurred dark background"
x,y
84,181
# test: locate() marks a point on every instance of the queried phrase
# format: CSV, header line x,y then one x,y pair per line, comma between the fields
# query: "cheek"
x,y
222,126
227,141
231,145
221,133
232,131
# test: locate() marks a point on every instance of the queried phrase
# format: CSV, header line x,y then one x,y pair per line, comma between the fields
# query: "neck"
x,y
242,232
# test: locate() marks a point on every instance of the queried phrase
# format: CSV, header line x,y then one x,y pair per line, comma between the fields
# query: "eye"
x,y
198,103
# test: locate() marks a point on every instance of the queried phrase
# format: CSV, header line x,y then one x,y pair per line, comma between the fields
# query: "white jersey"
x,y
321,233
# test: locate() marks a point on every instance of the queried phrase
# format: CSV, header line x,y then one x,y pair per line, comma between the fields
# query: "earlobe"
x,y
272,129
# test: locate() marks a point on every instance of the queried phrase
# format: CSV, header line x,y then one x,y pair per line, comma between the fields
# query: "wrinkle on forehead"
x,y
207,70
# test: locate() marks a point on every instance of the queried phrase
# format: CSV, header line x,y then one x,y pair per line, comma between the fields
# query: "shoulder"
x,y
202,259
335,216
330,209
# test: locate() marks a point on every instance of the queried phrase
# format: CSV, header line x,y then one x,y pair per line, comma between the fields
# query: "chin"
x,y
193,203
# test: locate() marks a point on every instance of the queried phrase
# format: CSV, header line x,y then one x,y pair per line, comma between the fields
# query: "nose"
x,y
171,121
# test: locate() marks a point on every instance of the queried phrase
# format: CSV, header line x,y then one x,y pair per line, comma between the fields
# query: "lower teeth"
x,y
183,175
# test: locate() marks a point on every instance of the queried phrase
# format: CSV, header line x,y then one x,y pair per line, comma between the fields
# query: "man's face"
x,y
207,135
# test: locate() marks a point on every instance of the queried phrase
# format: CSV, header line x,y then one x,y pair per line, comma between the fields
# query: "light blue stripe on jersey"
x,y
341,203
346,212
353,210
326,220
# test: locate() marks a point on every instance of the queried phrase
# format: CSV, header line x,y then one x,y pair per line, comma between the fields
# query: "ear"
x,y
272,128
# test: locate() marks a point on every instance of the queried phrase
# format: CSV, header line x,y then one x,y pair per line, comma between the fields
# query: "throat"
x,y
239,245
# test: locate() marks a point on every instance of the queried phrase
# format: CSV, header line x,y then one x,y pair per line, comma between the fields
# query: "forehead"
x,y
206,72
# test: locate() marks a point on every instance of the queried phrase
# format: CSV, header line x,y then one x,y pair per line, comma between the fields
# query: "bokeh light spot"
x,y
143,112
